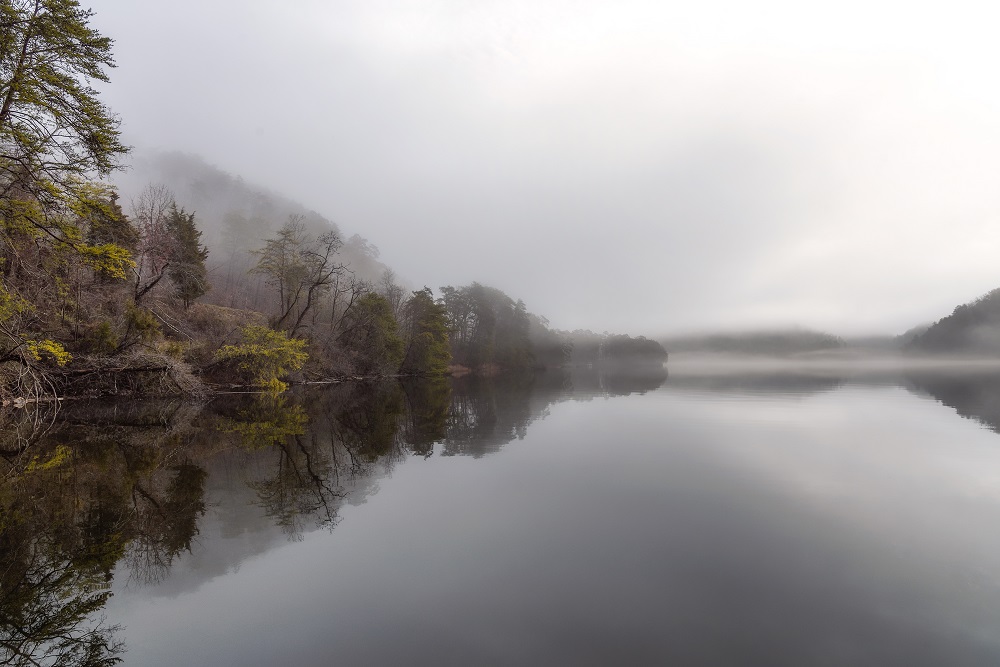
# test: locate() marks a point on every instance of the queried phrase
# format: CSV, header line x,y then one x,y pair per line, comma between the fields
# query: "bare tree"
x,y
302,268
151,212
393,292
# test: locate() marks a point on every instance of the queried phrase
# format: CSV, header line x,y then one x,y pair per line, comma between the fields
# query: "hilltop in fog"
x,y
972,328
235,216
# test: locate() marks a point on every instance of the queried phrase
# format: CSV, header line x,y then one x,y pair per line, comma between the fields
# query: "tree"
x,y
487,327
54,131
427,350
302,268
105,222
151,212
187,268
392,292
371,336
55,135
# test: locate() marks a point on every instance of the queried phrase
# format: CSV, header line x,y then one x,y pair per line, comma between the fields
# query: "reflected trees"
x,y
106,487
70,513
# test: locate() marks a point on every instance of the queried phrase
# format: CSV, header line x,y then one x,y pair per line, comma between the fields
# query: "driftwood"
x,y
135,374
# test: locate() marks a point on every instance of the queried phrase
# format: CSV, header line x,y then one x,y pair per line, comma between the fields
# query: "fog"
x,y
854,365
631,166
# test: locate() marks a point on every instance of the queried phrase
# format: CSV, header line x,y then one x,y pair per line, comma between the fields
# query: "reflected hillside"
x,y
80,500
488,412
102,494
973,396
617,379
779,384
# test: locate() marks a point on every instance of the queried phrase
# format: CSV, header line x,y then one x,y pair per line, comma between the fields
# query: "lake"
x,y
576,518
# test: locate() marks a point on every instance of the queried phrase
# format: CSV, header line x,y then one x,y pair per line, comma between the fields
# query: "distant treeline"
x,y
775,343
972,328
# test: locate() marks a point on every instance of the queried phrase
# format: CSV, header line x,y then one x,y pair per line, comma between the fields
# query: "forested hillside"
x,y
183,276
973,328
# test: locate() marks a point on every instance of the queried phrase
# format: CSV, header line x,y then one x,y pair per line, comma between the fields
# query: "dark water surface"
x,y
564,519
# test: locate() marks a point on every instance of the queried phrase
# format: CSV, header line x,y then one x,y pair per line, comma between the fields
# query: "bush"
x,y
265,356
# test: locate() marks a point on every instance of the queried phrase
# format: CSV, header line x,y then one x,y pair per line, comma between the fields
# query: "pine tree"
x,y
54,131
55,135
187,266
427,352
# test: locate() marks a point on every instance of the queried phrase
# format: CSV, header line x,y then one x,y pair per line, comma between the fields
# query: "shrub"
x,y
265,356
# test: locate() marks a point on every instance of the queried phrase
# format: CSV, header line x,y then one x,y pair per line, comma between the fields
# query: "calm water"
x,y
579,520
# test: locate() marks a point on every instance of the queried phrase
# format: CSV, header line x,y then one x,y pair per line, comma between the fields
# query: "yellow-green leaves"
x,y
265,356
107,259
11,304
48,350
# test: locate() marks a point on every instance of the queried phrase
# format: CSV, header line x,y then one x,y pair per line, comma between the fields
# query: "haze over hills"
x,y
235,216
774,342
972,328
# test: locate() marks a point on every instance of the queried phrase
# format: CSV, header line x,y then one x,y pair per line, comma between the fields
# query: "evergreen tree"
x,y
54,131
55,135
371,336
187,267
427,352
105,222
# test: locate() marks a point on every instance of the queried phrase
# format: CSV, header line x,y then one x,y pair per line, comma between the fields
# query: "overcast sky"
x,y
634,165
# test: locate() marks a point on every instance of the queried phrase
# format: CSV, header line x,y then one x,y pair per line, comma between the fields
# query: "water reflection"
x,y
975,396
125,491
103,487
780,385
104,493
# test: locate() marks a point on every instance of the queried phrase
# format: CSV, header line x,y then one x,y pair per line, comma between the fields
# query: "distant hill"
x,y
589,348
973,327
235,216
770,343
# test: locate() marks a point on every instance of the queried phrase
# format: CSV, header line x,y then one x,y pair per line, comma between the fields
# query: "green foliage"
x,y
60,457
141,324
56,133
428,352
487,327
187,266
174,349
265,356
103,339
271,420
11,304
107,259
61,234
51,120
371,336
98,210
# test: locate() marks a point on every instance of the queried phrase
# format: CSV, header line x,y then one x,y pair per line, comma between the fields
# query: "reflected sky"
x,y
835,524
